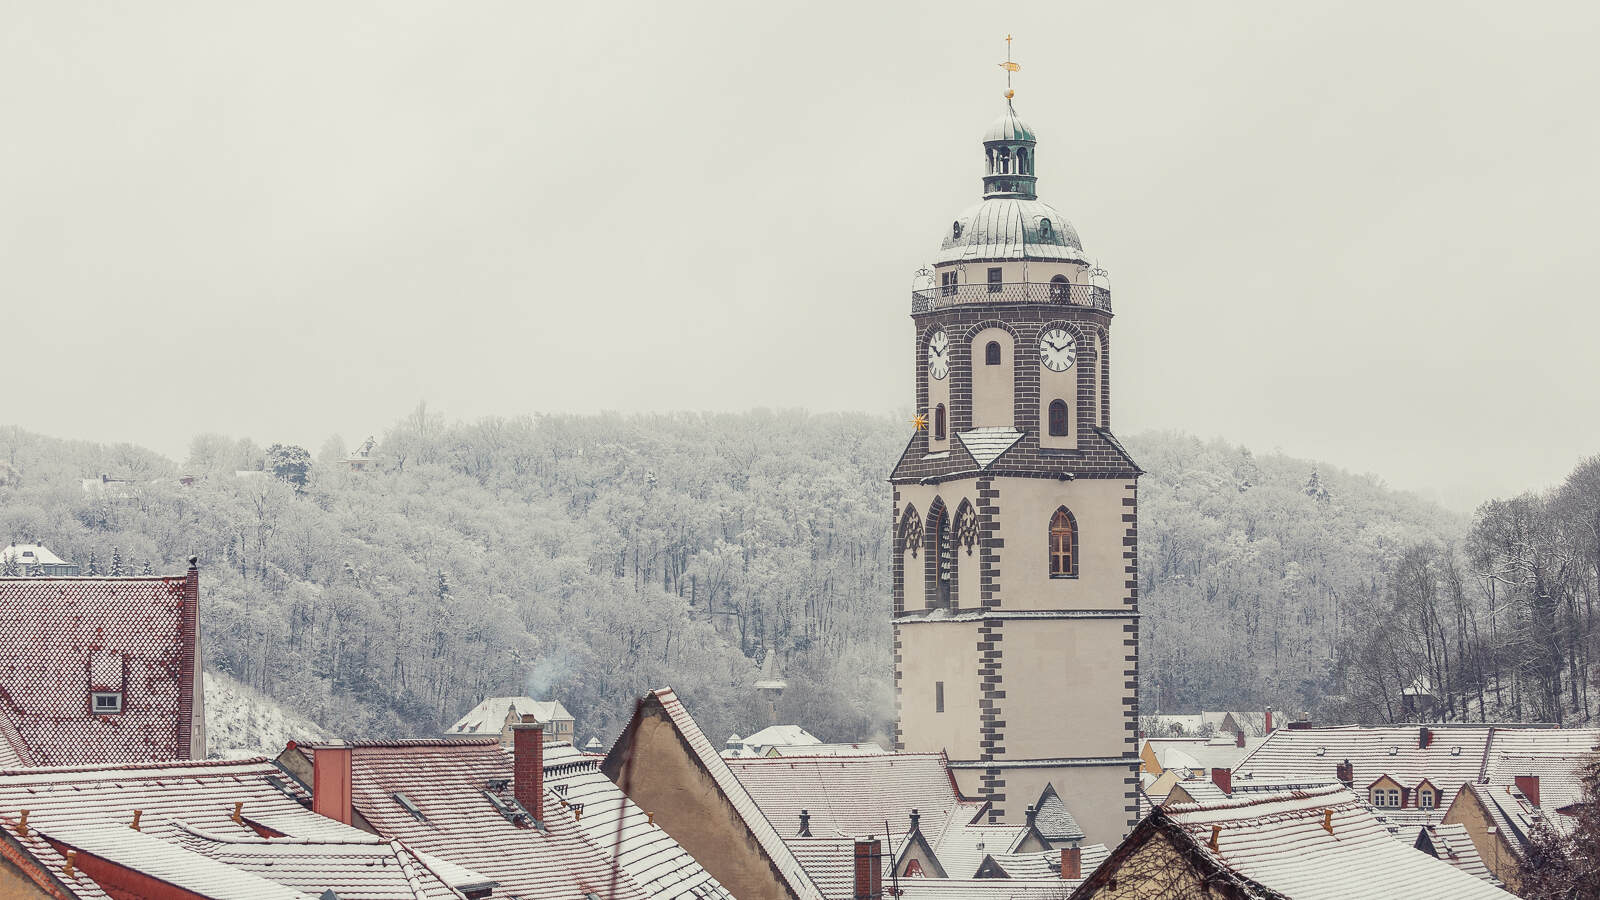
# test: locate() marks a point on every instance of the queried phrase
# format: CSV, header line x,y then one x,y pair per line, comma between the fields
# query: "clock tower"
x,y
1016,629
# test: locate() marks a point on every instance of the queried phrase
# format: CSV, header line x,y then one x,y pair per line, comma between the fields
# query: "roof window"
x,y
106,703
409,806
1044,228
955,229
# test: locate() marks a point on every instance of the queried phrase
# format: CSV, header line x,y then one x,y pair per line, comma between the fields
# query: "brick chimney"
x,y
805,823
1030,815
1223,779
330,781
1529,786
1071,863
1269,720
868,869
1424,737
1238,738
1345,773
527,767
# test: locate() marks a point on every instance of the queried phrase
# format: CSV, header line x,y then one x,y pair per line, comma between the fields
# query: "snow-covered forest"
x,y
588,558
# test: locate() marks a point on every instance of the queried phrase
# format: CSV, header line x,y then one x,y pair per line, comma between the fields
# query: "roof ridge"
x,y
1262,798
110,769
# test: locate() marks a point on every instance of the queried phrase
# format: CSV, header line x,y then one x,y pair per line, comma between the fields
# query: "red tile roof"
x,y
447,781
75,804
68,636
662,867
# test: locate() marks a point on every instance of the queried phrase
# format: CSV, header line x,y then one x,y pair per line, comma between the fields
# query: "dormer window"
x,y
1425,799
106,703
1386,798
955,229
1044,228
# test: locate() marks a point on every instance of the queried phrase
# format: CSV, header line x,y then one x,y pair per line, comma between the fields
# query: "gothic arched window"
x,y
1058,418
1063,545
991,354
938,422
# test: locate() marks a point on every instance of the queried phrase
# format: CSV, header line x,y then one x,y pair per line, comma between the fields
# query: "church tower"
x,y
1016,630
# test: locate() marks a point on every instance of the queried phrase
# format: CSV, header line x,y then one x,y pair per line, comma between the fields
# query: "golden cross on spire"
x,y
1010,67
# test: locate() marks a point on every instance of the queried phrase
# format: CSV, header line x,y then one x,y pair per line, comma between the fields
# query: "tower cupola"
x,y
1008,149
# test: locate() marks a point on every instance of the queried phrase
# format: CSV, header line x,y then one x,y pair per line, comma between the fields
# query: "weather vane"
x,y
1010,67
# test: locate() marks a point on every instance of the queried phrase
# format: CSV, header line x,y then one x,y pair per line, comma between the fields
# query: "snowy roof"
x,y
136,636
71,804
1221,752
826,749
645,851
1557,756
489,717
1053,819
786,735
151,856
1454,756
1452,844
1010,228
988,443
32,554
850,795
734,792
1048,864
1279,841
450,781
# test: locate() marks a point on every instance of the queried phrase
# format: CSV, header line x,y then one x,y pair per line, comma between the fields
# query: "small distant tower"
x,y
1016,617
770,686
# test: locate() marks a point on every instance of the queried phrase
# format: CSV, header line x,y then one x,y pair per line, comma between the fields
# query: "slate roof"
x,y
733,790
1278,841
987,444
645,851
136,635
186,805
447,780
1099,455
1053,819
1452,844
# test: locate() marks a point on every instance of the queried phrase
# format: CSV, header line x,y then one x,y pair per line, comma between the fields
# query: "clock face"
x,y
1057,349
939,355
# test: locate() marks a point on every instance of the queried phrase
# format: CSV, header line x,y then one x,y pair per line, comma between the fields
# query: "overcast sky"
x,y
1362,233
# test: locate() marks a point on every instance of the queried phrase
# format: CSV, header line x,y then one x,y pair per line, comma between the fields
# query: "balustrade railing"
x,y
941,296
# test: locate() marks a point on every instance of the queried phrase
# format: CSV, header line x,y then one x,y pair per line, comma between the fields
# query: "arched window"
x,y
946,559
938,422
991,354
1045,228
1059,289
1063,545
1022,160
1058,418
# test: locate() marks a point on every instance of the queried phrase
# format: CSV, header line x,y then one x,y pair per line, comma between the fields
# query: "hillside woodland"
x,y
589,558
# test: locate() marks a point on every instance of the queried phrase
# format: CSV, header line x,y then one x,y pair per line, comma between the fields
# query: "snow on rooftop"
x,y
489,717
1280,841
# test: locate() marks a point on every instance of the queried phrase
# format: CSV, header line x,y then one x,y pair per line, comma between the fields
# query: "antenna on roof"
x,y
894,863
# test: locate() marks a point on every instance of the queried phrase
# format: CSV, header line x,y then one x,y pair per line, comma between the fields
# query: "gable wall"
x,y
667,781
